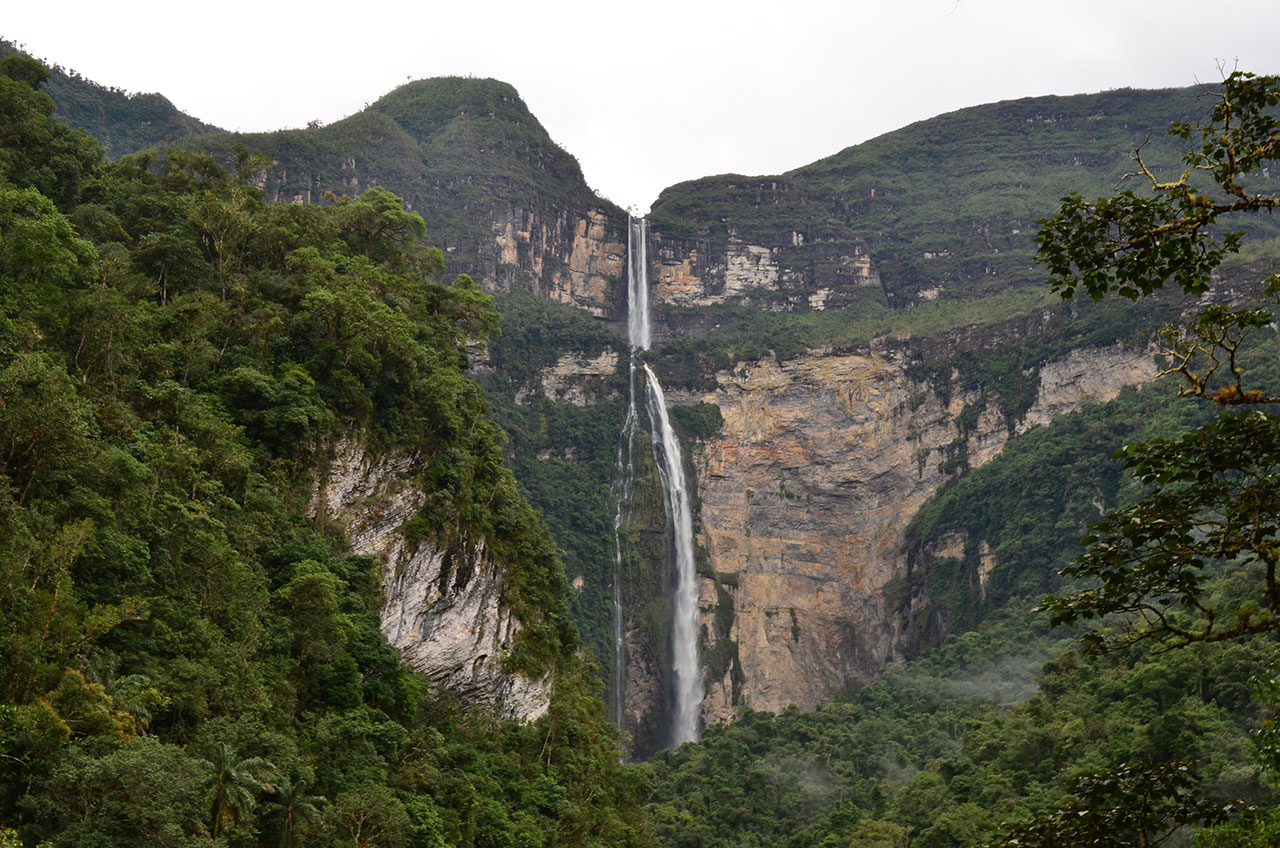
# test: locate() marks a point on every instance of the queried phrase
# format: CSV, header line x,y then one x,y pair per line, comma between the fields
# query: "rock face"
x,y
1082,375
575,378
442,607
503,201
820,464
800,276
572,258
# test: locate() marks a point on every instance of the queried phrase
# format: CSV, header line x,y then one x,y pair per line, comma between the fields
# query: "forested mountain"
x,y
189,658
507,204
121,122
277,470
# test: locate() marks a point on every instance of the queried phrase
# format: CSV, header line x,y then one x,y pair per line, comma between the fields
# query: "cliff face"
x,y
577,259
802,274
576,378
442,608
1084,375
570,254
820,463
945,208
507,205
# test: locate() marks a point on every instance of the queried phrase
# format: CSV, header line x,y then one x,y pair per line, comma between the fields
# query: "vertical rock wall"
x,y
800,276
442,607
572,258
820,464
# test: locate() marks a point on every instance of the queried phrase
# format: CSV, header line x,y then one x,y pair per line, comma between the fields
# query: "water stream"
x,y
686,674
624,469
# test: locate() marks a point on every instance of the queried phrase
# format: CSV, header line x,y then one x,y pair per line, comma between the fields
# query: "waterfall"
x,y
637,286
686,672
624,468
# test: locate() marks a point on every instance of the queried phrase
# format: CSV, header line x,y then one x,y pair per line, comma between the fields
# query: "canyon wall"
x,y
805,273
572,254
577,259
820,464
804,491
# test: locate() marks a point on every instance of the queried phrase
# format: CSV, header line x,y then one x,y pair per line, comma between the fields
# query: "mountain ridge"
x,y
907,233
122,122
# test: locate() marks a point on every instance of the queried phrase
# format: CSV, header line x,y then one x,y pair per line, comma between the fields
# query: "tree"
x,y
235,785
137,792
295,807
36,149
1137,804
1213,501
1195,558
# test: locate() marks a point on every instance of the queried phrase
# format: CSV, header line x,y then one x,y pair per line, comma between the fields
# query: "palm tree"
x,y
295,806
235,785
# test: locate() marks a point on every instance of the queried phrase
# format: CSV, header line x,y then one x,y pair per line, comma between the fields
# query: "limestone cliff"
x,y
442,607
1084,375
820,463
576,378
573,255
507,204
800,275
570,258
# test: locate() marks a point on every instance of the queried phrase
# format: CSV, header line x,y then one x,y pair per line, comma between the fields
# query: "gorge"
x,y
835,344
760,489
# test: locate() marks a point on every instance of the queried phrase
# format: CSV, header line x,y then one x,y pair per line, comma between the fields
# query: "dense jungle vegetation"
x,y
187,659
1137,733
120,121
1003,719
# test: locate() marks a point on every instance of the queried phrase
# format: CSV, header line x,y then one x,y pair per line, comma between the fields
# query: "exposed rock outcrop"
x,y
1087,375
442,607
820,464
792,277
575,378
570,258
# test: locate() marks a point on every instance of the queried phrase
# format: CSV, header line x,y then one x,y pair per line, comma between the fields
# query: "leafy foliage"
x,y
1140,804
938,752
1210,501
187,659
1099,755
1207,508
121,122
1213,499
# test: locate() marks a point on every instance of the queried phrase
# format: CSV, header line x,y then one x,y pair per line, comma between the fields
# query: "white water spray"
x,y
638,284
686,672
624,469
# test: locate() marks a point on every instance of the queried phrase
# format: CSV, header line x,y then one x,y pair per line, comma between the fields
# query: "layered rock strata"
x,y
442,607
800,276
820,464
570,258
576,378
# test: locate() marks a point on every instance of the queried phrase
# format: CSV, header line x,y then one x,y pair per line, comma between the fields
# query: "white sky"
x,y
646,95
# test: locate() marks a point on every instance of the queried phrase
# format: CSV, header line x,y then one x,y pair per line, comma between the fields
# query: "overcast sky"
x,y
648,94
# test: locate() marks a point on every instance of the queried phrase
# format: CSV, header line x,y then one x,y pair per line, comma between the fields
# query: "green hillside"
x,y
460,151
121,122
455,148
948,202
189,660
186,657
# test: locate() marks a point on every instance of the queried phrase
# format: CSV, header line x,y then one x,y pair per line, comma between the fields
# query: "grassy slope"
x,y
455,148
966,187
